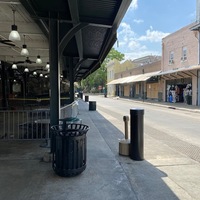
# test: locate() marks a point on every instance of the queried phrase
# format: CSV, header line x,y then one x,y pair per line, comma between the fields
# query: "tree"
x,y
99,77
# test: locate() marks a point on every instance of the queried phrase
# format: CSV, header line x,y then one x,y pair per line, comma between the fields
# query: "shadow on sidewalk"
x,y
146,181
108,176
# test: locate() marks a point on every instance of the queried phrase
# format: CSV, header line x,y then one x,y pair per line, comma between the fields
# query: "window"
x,y
171,57
184,54
110,75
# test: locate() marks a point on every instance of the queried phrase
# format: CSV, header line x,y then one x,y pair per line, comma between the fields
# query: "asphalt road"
x,y
178,129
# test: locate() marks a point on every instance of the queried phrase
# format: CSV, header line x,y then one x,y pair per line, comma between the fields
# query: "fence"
x,y
23,124
30,124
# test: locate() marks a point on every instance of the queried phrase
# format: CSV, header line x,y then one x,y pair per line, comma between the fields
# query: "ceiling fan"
x,y
25,61
7,42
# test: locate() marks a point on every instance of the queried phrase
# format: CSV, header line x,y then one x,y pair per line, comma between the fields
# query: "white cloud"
x,y
138,21
125,32
134,46
153,35
138,54
134,4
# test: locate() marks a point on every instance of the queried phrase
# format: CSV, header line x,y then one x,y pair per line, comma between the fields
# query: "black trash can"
x,y
81,95
69,155
86,98
92,105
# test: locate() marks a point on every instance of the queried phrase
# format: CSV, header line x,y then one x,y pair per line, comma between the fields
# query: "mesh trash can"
x,y
69,155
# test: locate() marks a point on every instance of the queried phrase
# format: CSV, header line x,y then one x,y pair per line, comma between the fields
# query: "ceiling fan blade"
x,y
7,42
40,69
20,62
29,61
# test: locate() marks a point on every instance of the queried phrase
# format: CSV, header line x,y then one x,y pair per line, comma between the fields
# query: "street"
x,y
179,129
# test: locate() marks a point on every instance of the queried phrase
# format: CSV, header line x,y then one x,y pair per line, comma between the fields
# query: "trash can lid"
x,y
71,130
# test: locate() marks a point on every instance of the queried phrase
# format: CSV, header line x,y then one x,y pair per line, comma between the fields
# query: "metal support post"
x,y
54,77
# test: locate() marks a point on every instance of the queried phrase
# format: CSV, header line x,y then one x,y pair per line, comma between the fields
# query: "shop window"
x,y
184,54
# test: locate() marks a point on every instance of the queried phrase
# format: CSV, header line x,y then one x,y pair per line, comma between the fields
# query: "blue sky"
x,y
147,21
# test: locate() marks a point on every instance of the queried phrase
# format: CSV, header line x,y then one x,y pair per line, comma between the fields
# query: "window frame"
x,y
184,53
171,57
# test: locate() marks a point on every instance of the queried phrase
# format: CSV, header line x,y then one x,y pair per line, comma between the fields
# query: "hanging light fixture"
x,y
47,66
41,75
26,69
38,60
34,73
14,66
14,35
24,51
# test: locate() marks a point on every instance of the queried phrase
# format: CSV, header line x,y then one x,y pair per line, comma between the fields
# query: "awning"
x,y
123,80
182,69
143,77
116,81
134,78
86,34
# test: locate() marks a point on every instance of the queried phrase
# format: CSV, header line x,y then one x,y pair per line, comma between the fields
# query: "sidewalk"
x,y
108,176
177,105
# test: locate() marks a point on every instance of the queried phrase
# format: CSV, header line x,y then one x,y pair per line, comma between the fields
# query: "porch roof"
x,y
117,81
143,77
180,72
87,32
134,78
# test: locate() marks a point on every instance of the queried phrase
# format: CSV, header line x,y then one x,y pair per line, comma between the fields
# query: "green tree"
x,y
99,77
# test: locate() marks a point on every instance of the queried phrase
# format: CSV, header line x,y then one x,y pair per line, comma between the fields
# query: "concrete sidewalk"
x,y
108,176
177,105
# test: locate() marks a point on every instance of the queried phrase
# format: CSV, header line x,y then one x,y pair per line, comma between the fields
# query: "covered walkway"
x,y
107,176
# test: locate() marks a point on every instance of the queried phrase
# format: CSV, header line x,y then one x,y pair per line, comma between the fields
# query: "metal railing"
x,y
23,124
30,124
70,110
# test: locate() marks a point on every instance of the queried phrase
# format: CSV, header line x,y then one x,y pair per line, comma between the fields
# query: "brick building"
x,y
179,77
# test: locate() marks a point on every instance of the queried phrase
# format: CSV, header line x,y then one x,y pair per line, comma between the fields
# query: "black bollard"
x,y
137,134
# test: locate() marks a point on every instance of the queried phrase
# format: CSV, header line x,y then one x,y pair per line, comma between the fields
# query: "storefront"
x,y
136,86
152,88
179,90
181,85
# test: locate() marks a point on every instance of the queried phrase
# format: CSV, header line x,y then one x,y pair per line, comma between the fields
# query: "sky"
x,y
146,22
